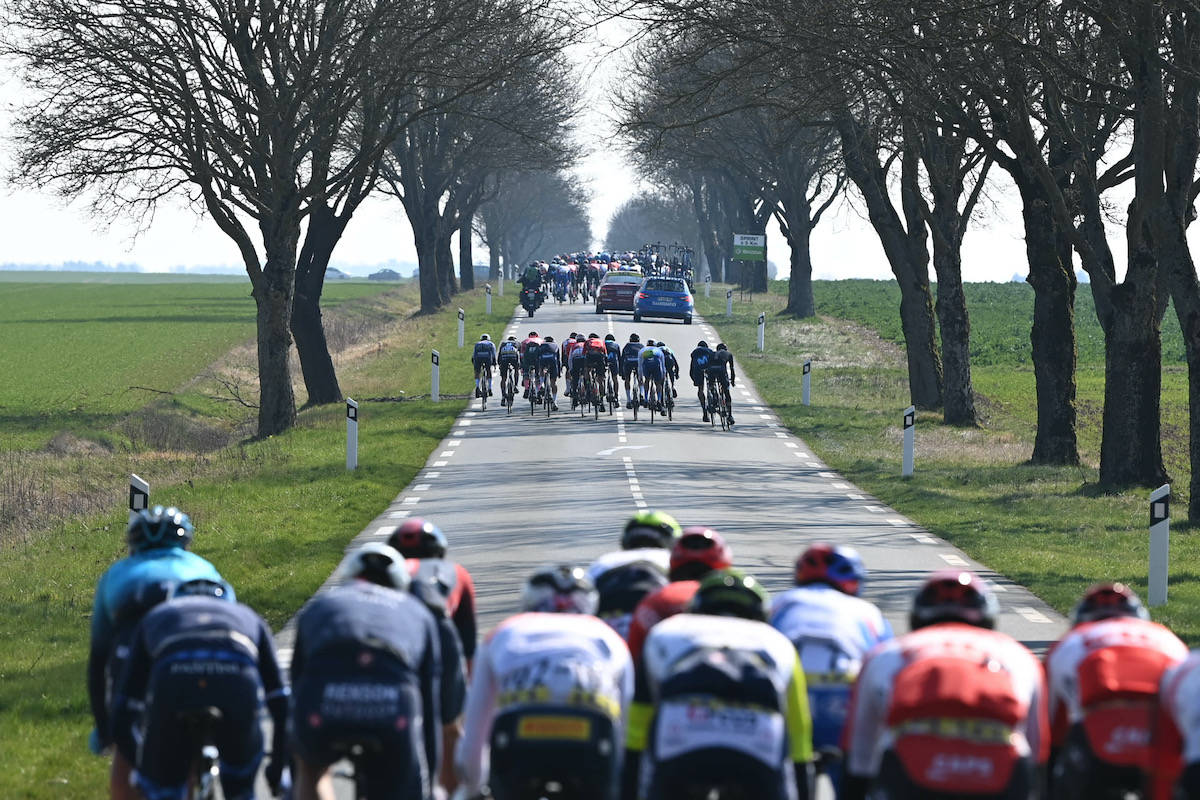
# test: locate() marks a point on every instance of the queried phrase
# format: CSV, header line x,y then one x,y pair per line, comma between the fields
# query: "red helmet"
x,y
954,595
697,552
1108,600
418,538
834,565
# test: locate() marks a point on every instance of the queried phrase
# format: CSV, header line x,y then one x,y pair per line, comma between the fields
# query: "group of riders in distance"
x,y
573,276
659,672
595,370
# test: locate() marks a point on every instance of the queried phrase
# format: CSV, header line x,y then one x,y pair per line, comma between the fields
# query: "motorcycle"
x,y
530,299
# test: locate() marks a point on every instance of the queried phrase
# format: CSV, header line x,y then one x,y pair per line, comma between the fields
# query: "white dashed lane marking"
x,y
953,560
1031,614
922,538
440,463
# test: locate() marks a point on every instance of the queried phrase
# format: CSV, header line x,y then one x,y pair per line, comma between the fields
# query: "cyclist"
x,y
1175,746
614,361
158,540
701,357
647,536
510,360
671,366
483,355
699,551
366,665
529,348
952,709
595,353
651,373
1104,679
629,364
720,369
572,362
729,702
832,629
548,359
550,696
200,649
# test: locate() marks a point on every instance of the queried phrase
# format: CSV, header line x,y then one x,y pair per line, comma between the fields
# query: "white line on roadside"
x,y
397,514
899,523
421,487
840,485
874,509
791,444
759,408
855,497
826,474
1031,614
464,422
997,587
953,560
455,444
781,434
411,501
457,433
922,538
813,464
431,475
446,454
440,463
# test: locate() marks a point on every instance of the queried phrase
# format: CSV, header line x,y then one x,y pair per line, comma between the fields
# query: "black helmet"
x,y
159,528
954,595
633,337
610,338
549,339
702,343
731,593
418,538
722,346
650,529
1108,600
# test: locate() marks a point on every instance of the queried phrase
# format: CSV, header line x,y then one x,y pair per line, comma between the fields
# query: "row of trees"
x,y
277,119
915,104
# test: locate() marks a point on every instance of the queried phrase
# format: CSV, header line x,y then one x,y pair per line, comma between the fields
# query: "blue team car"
x,y
663,297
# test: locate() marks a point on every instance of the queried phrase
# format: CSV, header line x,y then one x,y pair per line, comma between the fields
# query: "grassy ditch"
x,y
274,515
1050,529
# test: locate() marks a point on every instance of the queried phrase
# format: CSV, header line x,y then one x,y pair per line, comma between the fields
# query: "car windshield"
x,y
664,285
623,279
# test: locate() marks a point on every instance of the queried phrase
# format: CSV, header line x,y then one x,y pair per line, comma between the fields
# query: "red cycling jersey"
x,y
672,599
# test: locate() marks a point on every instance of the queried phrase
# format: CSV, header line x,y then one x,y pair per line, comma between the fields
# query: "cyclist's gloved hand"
x,y
96,745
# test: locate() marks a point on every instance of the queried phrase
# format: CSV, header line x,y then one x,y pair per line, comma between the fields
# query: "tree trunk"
x,y
445,261
1053,334
425,244
953,319
493,262
799,237
273,289
754,276
466,260
325,228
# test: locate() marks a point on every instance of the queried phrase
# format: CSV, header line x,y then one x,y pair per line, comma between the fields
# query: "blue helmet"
x,y
159,528
834,565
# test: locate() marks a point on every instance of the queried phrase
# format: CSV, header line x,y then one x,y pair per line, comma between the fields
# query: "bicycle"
x,y
611,388
716,404
535,391
544,381
508,389
485,381
201,724
357,749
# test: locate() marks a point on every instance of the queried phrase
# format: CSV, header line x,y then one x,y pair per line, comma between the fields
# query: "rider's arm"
x,y
102,634
477,726
276,689
799,718
128,697
430,675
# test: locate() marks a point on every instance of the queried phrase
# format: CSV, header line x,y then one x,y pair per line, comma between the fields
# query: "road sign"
x,y
437,378
749,247
910,422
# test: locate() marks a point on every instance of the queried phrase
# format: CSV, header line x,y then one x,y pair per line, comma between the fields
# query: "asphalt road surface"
x,y
513,492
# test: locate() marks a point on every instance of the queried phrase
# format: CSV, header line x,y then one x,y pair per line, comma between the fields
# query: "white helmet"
x,y
484,338
377,563
561,589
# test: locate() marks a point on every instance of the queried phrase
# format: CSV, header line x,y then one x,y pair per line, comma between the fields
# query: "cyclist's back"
x,y
192,653
367,665
549,695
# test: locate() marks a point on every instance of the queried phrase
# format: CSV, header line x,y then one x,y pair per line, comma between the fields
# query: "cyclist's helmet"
x,y
649,343
532,335
483,337
512,338
593,336
610,337
633,337
834,565
560,589
159,528
1108,600
204,587
549,339
650,529
952,595
699,551
375,562
702,343
721,346
731,593
418,538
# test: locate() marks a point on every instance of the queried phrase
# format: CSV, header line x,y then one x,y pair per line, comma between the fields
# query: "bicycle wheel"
x,y
713,406
534,391
637,401
670,402
485,381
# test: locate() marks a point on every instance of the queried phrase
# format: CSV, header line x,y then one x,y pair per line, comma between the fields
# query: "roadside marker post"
x,y
807,379
489,299
139,495
351,434
729,302
762,333
462,317
436,378
1160,535
502,282
910,423
707,285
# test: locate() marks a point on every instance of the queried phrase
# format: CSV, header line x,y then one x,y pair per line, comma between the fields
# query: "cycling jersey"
x,y
568,348
651,363
454,584
952,708
672,599
701,358
552,680
1103,682
614,355
189,654
721,366
658,556
112,623
622,587
729,706
509,351
484,353
670,362
629,358
367,661
1175,751
548,358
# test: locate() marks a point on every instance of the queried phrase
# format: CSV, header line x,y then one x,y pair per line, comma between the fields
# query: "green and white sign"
x,y
749,247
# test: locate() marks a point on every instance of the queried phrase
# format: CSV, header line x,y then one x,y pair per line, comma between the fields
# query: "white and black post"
x,y
139,495
762,333
807,379
462,324
707,285
729,302
351,434
910,423
502,281
437,379
1160,535
489,299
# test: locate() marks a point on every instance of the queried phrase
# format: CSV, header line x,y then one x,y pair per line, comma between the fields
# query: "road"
x,y
513,492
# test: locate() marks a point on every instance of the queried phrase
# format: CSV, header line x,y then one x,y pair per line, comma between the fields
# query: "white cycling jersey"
x,y
659,556
567,660
1179,698
831,631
